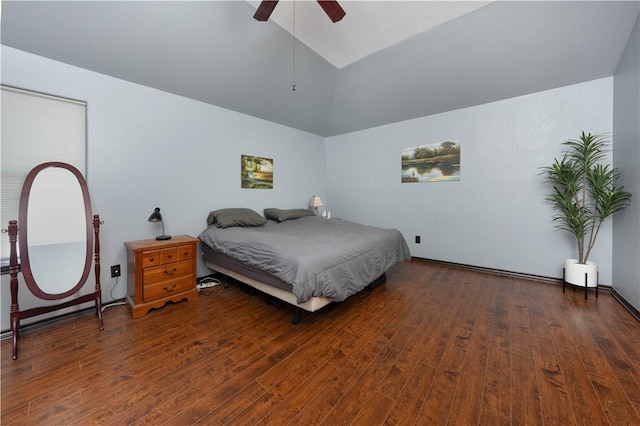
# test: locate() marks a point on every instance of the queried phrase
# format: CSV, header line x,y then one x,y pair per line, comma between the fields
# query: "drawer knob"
x,y
151,259
169,256
165,288
166,271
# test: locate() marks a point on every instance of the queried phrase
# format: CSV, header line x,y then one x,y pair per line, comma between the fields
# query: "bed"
x,y
297,257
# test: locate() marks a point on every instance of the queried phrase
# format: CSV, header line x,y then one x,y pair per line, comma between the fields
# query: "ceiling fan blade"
x,y
332,9
265,9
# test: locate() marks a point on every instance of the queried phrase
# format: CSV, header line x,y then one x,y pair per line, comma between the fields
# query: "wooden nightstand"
x,y
159,272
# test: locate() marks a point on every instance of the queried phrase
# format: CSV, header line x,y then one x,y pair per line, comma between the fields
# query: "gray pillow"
x,y
282,215
226,218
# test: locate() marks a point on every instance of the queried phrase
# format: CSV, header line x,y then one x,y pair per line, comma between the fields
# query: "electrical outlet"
x,y
115,271
417,239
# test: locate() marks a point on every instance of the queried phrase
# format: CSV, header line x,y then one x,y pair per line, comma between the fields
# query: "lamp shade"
x,y
157,217
315,201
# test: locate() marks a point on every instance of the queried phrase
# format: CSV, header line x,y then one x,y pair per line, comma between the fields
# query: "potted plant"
x,y
584,194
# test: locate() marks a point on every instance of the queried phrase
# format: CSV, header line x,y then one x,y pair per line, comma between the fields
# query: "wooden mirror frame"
x,y
92,242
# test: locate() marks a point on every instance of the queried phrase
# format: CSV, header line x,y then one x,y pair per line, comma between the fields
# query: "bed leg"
x,y
273,301
296,318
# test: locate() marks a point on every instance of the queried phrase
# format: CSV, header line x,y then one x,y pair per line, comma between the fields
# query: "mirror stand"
x,y
16,314
57,242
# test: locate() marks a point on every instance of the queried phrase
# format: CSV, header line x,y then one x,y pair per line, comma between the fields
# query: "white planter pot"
x,y
574,273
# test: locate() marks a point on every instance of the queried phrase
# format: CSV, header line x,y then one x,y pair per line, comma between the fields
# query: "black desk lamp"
x,y
157,217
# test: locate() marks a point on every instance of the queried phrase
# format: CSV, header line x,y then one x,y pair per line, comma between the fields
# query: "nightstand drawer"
x,y
166,272
150,258
167,288
185,252
169,255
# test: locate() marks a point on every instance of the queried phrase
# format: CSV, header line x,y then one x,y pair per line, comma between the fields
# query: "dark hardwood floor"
x,y
434,345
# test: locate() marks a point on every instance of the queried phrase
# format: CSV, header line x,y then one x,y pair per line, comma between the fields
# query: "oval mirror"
x,y
55,236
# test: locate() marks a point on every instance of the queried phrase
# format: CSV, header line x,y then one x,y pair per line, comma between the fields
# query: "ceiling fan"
x,y
331,7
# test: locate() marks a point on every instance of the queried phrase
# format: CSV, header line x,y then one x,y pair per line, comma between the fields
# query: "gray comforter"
x,y
318,257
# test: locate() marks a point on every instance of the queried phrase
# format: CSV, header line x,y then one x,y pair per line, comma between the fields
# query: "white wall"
x,y
626,134
148,148
495,216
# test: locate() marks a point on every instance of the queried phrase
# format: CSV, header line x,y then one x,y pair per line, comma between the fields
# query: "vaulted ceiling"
x,y
371,25
455,55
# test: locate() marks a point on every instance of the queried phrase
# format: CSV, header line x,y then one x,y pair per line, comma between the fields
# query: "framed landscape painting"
x,y
256,172
431,163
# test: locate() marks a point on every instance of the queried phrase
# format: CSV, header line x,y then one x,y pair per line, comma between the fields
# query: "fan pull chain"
x,y
293,81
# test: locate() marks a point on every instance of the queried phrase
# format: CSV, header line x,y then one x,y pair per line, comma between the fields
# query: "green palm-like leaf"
x,y
587,151
571,217
613,201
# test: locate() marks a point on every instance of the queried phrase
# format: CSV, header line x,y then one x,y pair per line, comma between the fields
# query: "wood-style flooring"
x,y
434,345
